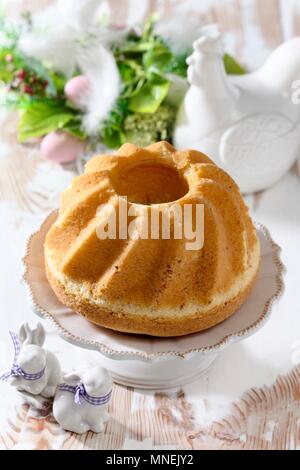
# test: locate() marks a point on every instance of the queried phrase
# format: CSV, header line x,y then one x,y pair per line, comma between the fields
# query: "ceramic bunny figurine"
x,y
35,370
81,402
247,124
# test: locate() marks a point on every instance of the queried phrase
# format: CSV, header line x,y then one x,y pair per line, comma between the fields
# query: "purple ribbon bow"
x,y
16,370
80,394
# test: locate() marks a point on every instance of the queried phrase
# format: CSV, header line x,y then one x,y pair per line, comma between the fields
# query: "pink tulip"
x,y
61,147
77,89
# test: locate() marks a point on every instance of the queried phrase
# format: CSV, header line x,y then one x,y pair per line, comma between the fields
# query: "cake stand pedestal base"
x,y
162,375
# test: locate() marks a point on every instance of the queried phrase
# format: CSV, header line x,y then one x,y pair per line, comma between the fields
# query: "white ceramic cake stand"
x,y
147,362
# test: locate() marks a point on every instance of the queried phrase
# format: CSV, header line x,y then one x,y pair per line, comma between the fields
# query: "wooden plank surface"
x,y
252,28
290,17
266,417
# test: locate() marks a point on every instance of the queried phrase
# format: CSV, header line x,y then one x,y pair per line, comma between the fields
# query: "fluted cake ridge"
x,y
152,286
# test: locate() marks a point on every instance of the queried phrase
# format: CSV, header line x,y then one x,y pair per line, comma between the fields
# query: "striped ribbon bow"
x,y
81,394
16,370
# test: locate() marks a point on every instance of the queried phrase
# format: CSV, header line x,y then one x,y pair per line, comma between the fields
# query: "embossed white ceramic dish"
x,y
147,362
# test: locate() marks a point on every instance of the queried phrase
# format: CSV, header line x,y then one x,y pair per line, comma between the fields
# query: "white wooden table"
x,y
251,397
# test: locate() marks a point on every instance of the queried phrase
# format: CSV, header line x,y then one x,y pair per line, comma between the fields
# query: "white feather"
x,y
99,66
81,15
51,40
70,36
59,30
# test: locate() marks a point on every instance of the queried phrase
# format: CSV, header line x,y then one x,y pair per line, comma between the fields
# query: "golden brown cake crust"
x,y
160,327
154,287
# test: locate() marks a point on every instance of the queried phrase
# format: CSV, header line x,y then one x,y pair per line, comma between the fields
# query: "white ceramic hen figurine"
x,y
248,124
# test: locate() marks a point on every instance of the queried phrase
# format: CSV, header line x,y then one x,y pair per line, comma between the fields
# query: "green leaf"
x,y
127,72
135,47
150,96
149,26
113,137
5,75
133,88
232,67
58,81
112,132
40,117
74,128
6,70
178,65
157,58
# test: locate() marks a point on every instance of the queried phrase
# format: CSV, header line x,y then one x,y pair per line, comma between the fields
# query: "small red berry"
x,y
28,90
21,74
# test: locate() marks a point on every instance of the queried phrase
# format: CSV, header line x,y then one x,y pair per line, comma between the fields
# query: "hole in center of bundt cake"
x,y
151,184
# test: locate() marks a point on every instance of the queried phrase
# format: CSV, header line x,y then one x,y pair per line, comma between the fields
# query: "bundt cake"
x,y
151,283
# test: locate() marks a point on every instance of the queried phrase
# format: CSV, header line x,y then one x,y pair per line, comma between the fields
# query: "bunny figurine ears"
x,y
35,370
81,398
28,336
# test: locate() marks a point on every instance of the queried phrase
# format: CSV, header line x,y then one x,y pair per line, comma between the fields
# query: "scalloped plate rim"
x,y
158,356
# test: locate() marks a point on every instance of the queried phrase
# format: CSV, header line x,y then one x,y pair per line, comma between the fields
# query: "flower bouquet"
x,y
80,82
